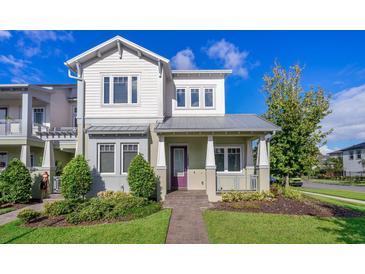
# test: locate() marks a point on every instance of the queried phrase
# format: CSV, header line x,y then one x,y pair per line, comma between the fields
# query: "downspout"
x,y
80,149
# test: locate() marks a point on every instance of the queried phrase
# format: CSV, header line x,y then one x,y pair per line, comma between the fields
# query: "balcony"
x,y
13,127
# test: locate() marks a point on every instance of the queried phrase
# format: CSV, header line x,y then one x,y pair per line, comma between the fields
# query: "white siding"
x,y
353,165
150,87
219,97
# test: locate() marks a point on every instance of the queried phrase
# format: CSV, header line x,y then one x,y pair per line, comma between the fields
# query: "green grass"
x,y
6,210
349,205
260,228
149,230
338,192
337,182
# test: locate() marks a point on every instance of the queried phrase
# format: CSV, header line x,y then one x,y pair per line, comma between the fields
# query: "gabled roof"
x,y
108,45
226,123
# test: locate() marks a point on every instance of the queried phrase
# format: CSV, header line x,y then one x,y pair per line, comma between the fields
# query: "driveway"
x,y
328,186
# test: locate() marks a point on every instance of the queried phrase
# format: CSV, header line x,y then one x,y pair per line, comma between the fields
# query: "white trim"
x,y
226,147
98,158
170,163
121,155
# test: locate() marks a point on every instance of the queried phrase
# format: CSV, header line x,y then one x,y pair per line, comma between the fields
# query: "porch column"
x,y
27,113
250,167
48,155
161,169
210,171
263,165
48,162
25,155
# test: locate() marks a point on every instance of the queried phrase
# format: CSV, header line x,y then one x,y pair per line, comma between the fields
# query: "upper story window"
x,y
351,157
358,154
38,116
208,97
199,97
180,97
120,90
194,98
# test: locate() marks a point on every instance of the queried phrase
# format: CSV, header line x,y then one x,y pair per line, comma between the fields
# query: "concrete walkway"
x,y
186,223
335,197
11,216
328,186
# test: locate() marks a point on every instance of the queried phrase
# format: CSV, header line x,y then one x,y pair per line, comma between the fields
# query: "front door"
x,y
179,165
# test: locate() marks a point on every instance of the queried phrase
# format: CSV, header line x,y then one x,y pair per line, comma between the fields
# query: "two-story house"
x,y
38,126
129,101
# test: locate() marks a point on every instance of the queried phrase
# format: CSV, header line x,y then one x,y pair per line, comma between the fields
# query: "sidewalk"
x,y
11,216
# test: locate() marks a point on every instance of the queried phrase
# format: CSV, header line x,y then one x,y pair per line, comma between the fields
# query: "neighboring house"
x,y
129,101
37,125
352,159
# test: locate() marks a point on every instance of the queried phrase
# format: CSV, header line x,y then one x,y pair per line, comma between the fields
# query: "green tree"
x,y
141,178
294,149
76,178
15,183
334,165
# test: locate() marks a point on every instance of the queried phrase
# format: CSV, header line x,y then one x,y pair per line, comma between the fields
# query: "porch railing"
x,y
10,127
236,182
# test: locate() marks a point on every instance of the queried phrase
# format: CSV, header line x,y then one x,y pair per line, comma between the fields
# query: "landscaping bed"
x,y
282,205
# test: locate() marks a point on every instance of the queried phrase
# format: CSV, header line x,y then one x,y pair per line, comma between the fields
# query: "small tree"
x,y
15,183
76,178
141,178
294,149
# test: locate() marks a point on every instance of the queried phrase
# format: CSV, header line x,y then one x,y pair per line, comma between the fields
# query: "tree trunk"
x,y
287,181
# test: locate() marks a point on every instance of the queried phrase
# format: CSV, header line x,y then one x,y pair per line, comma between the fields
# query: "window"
x,y
3,159
234,155
106,90
120,90
134,90
228,159
180,97
208,97
38,116
351,157
219,159
129,151
358,154
106,158
194,97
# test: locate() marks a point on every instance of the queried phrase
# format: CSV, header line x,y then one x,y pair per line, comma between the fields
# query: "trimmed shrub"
x,y
28,215
15,183
236,196
286,192
141,178
62,207
76,178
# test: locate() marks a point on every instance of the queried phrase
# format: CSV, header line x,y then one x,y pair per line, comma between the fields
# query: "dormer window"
x,y
208,97
180,97
194,98
120,89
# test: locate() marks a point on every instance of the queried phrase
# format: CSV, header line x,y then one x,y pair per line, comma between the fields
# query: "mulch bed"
x,y
283,205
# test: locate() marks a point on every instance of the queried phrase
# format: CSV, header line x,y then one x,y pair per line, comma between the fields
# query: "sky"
x,y
334,60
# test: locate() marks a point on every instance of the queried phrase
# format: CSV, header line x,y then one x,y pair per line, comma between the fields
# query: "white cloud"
x,y
325,150
184,59
4,34
19,70
230,56
348,115
39,36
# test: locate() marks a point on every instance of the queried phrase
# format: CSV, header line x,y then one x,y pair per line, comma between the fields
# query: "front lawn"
x,y
261,228
148,230
336,192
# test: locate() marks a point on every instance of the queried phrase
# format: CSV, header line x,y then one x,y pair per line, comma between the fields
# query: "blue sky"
x,y
334,60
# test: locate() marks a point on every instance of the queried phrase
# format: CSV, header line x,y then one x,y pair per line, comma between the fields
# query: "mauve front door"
x,y
178,167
